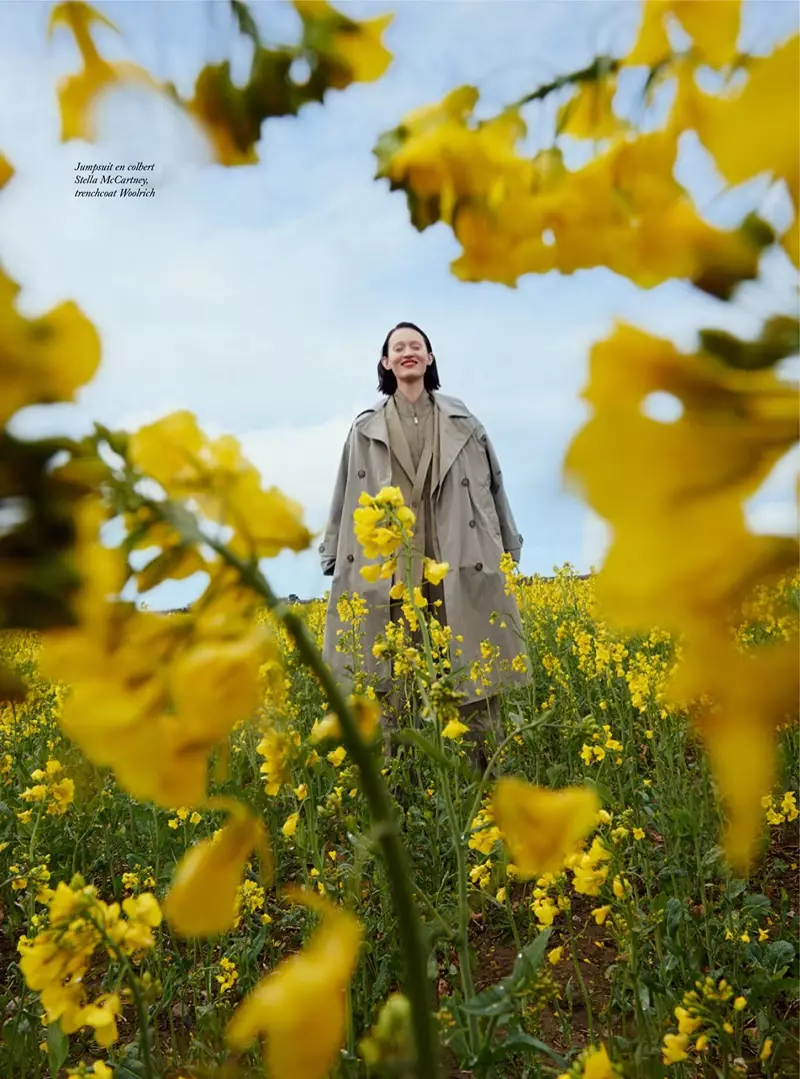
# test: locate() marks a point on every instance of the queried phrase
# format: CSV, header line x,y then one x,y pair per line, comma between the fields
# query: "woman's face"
x,y
407,356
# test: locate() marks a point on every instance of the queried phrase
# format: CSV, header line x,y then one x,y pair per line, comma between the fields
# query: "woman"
x,y
438,454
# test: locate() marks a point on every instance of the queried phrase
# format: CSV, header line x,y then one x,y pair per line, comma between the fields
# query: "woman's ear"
x,y
384,362
431,358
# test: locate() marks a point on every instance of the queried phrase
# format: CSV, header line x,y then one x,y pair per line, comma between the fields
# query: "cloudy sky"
x,y
258,297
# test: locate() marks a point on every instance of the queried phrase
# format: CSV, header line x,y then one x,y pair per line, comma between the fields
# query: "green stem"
x,y
138,1003
579,974
464,961
538,722
381,809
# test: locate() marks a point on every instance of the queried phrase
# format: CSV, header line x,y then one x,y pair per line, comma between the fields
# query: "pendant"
x,y
416,420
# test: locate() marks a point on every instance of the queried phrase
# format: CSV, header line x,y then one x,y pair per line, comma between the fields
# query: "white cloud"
x,y
596,537
774,518
301,461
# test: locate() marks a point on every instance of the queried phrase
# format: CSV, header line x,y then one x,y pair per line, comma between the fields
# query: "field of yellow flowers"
x,y
212,862
640,953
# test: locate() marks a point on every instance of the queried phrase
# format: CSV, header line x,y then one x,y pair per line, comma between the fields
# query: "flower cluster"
x,y
706,1018
56,961
605,743
51,789
382,524
786,810
140,680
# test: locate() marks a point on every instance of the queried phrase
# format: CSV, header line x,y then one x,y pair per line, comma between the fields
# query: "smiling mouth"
x,y
409,363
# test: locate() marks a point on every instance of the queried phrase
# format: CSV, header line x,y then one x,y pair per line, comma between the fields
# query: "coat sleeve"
x,y
512,540
330,539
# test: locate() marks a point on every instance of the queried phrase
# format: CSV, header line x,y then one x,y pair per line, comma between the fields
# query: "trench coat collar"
x,y
452,436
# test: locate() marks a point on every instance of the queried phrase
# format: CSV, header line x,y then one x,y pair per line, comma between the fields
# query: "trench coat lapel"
x,y
398,442
452,435
376,427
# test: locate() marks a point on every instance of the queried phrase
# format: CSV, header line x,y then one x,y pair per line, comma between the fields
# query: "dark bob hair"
x,y
387,383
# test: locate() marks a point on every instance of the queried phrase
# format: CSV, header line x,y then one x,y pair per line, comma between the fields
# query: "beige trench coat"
x,y
474,525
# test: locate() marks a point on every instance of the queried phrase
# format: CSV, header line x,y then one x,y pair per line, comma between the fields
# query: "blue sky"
x,y
258,297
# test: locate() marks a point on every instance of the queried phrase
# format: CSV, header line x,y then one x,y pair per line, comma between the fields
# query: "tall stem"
x,y
381,809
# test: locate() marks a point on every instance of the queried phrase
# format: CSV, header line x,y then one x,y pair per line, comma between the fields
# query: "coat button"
x,y
361,473
519,538
321,548
479,566
465,482
471,525
350,558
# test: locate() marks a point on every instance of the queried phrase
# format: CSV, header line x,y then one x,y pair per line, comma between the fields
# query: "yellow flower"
x,y
687,532
770,79
77,94
597,1065
336,756
202,900
454,729
740,1004
371,573
588,114
227,487
638,833
554,955
674,1049
300,1006
714,28
290,825
727,1027
766,1050
398,590
789,806
600,914
540,827
701,1043
687,1023
367,713
435,572
500,895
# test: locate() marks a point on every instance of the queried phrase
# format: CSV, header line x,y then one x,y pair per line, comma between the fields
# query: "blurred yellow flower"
x,y
300,1007
290,825
540,827
674,1049
203,898
454,729
435,572
589,114
336,756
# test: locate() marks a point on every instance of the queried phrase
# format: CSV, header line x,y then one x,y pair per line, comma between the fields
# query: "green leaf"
x,y
777,956
674,914
247,24
779,338
492,1002
518,1040
57,1048
758,903
529,960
